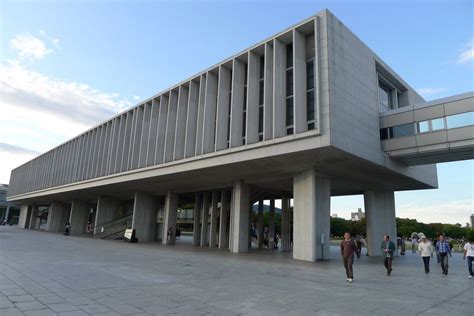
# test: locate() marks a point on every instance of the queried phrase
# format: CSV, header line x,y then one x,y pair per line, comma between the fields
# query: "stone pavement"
x,y
51,274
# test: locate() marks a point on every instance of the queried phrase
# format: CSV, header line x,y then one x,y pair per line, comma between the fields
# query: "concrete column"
x,y
79,217
224,220
145,212
285,224
23,221
311,224
240,231
271,219
171,125
210,108
268,93
191,120
214,219
197,219
238,81
260,224
171,210
380,219
180,139
279,89
7,213
106,211
205,219
223,108
299,82
57,217
253,80
33,213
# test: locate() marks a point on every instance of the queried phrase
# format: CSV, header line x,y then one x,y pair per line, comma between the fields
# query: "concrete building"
x,y
306,114
357,216
8,211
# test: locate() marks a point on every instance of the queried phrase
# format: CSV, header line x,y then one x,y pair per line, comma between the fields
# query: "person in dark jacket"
x,y
348,249
388,248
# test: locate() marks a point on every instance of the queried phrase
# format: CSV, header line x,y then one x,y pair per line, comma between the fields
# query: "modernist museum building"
x,y
304,115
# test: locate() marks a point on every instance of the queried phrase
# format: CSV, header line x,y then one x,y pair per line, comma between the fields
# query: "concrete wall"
x,y
353,99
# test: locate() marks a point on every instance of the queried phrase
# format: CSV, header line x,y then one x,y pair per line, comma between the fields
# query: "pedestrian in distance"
x,y
443,250
469,254
414,245
426,252
388,248
88,227
67,229
403,246
348,249
359,245
169,236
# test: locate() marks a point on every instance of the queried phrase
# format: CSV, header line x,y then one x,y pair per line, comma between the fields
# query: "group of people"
x,y
349,248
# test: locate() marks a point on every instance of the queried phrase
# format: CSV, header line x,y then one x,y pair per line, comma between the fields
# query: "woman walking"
x,y
426,251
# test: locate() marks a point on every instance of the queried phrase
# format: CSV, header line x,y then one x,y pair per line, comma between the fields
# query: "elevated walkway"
x,y
441,130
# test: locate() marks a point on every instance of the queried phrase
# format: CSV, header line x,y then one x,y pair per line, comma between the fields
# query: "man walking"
x,y
443,249
348,248
388,248
469,254
426,251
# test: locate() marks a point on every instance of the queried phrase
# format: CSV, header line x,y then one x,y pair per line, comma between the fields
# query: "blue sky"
x,y
68,65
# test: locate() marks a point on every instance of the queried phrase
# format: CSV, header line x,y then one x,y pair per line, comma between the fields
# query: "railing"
x,y
114,227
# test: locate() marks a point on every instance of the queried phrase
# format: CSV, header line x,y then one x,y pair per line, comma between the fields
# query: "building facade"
x,y
300,115
8,211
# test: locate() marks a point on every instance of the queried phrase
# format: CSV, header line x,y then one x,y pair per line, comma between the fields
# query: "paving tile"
x,y
40,312
11,312
63,307
28,306
21,298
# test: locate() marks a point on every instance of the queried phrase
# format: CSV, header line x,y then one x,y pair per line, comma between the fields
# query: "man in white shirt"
x,y
426,252
469,253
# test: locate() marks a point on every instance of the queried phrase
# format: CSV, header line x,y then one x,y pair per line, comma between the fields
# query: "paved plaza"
x,y
51,274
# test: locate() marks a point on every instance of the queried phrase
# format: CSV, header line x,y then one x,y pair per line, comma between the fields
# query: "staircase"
x,y
114,229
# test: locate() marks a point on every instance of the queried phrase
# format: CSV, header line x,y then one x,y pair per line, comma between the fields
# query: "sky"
x,y
66,66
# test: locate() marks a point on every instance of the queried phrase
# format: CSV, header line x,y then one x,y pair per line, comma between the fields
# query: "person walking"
x,y
426,252
443,249
348,248
388,248
414,244
469,254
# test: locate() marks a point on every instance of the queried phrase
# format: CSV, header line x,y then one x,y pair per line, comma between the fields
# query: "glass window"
x,y
289,82
310,105
289,131
310,75
260,93
244,121
310,126
402,130
383,133
437,124
289,111
260,119
460,120
423,127
289,55
384,98
262,67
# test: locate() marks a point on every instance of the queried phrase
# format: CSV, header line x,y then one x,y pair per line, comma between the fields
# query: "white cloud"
x,y
451,212
429,92
29,47
51,39
11,157
136,97
467,55
42,112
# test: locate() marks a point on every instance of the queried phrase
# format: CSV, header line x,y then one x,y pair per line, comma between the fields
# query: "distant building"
x,y
357,216
9,211
334,215
472,220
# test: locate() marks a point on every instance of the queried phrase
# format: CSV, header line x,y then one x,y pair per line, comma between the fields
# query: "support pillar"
x,y
7,213
271,220
240,205
107,209
58,215
205,220
380,219
197,219
23,221
214,220
169,220
311,225
79,217
224,220
285,224
33,215
260,225
145,213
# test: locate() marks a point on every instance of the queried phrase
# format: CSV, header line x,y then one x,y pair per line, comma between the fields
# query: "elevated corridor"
x,y
432,132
